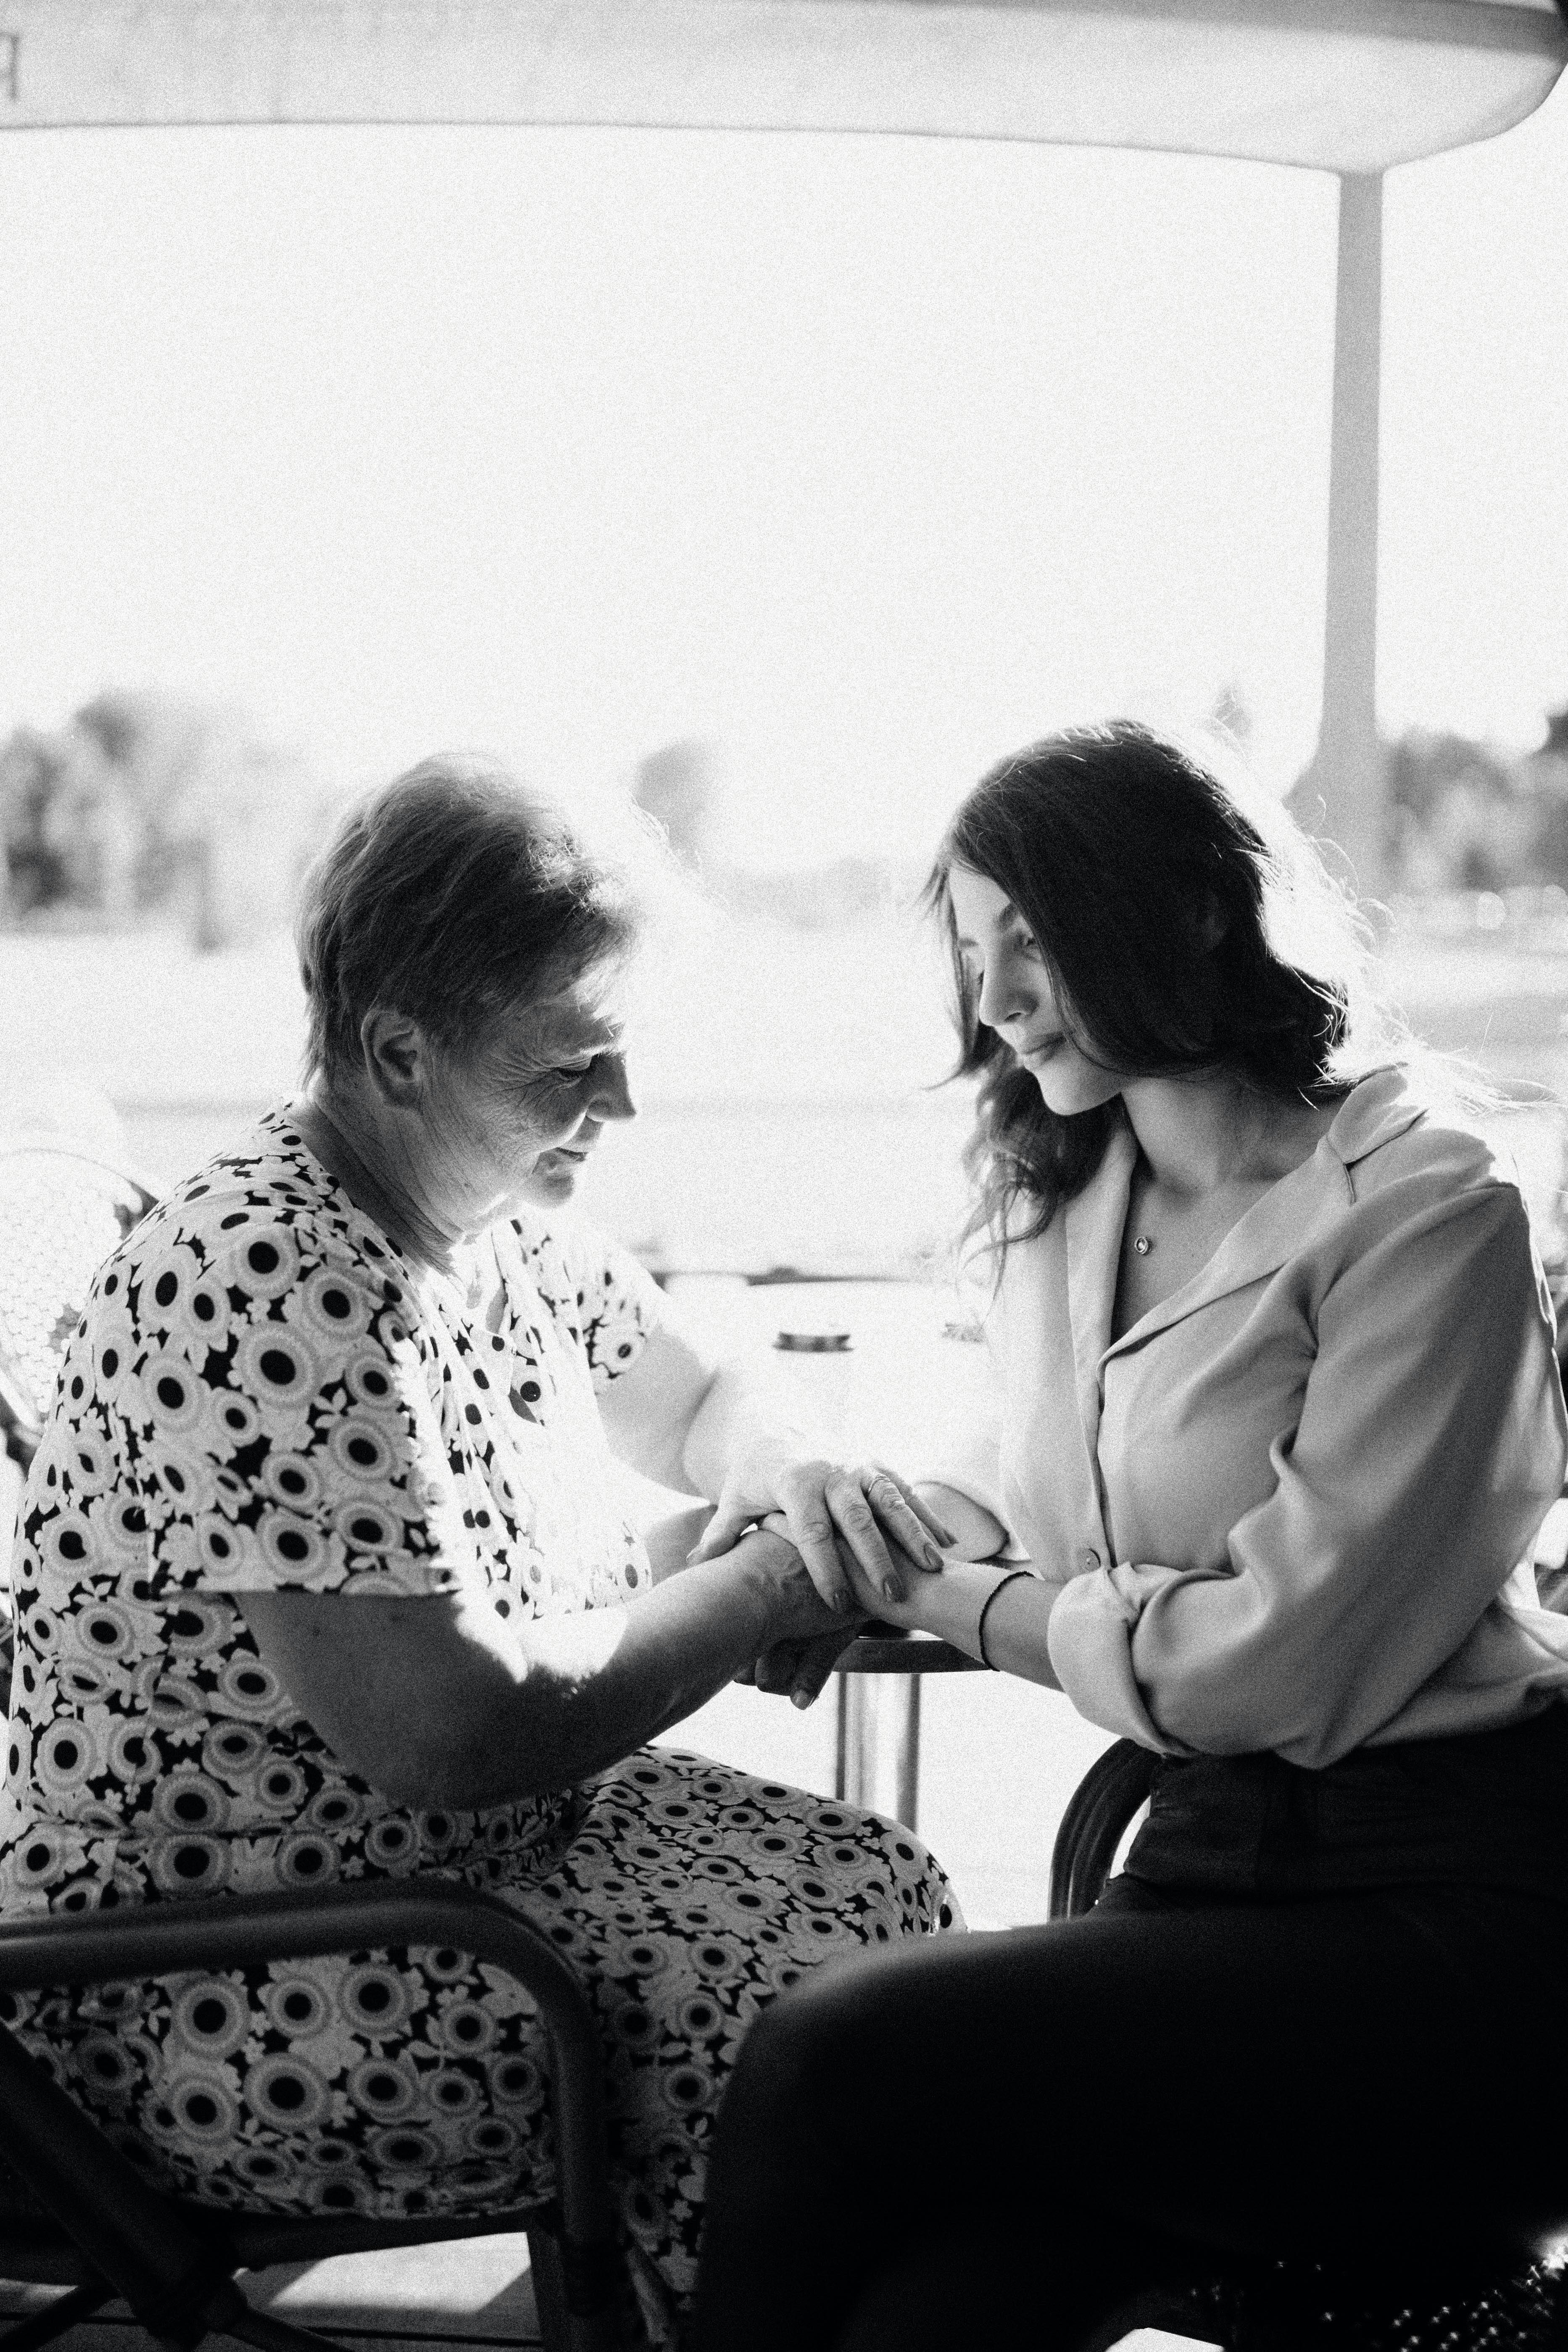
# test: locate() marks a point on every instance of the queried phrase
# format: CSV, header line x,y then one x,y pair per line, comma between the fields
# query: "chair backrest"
x,y
1100,1811
61,1212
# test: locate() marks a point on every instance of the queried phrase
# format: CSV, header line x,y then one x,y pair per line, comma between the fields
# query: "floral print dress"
x,y
264,1393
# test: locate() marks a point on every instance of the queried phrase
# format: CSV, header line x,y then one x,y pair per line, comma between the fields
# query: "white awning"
x,y
1348,85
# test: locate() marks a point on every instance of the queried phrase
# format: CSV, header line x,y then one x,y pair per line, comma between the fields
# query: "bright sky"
x,y
866,459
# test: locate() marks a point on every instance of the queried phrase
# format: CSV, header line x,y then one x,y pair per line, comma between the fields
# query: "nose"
x,y
1005,995
613,1093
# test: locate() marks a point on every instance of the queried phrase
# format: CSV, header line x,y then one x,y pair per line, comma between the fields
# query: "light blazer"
x,y
1291,1507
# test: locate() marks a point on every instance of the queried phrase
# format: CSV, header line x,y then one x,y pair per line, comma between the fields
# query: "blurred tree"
x,y
1546,777
1230,714
1425,766
35,873
678,785
146,806
681,785
1472,817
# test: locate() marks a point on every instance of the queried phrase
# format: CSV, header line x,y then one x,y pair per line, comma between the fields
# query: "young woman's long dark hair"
x,y
1182,932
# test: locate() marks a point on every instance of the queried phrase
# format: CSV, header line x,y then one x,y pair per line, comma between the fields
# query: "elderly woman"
x,y
323,1573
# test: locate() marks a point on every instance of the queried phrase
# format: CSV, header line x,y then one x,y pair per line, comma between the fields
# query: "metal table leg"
x,y
879,1743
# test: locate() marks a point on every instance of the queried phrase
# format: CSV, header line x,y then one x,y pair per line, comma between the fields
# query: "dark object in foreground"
x,y
1484,2302
80,2214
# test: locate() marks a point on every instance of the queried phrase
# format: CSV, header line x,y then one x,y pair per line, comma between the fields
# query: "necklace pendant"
x,y
1143,1244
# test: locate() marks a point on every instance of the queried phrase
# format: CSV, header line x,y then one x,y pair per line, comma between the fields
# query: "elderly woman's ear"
x,y
396,1058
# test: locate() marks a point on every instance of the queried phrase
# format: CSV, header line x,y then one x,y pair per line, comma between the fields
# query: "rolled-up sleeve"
x,y
1429,1446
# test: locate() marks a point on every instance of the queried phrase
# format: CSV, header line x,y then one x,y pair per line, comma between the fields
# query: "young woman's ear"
x,y
1211,922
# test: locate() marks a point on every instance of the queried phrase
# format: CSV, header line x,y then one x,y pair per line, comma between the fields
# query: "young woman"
x,y
1281,1419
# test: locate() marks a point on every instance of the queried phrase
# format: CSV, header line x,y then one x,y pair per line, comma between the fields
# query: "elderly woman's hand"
x,y
798,1669
870,1509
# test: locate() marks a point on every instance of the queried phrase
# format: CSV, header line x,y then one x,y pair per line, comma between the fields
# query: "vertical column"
x,y
856,1739
877,1743
1341,793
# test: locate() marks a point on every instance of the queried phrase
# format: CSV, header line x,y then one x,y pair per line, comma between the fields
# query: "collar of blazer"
x,y
1289,1216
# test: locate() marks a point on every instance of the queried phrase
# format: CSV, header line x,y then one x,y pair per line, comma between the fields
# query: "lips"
x,y
1041,1050
576,1153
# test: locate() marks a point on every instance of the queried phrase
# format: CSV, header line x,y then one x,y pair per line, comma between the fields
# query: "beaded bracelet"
x,y
1011,1578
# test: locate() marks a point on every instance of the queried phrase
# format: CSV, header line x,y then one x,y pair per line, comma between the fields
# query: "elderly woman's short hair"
x,y
453,894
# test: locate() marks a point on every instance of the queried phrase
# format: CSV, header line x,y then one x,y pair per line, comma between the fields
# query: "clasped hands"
x,y
860,1532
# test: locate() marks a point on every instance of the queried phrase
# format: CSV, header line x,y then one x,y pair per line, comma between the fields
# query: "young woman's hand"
x,y
835,1515
906,1612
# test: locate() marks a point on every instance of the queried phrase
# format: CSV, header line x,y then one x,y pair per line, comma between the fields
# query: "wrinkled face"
x,y
517,1122
1015,995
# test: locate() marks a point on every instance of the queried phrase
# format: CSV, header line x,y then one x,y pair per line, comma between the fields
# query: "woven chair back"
x,y
61,1212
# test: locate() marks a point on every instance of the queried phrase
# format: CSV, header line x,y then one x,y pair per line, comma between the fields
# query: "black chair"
x,y
75,2211
1296,2306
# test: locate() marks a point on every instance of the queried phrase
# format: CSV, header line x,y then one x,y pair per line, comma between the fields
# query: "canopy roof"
x,y
1349,85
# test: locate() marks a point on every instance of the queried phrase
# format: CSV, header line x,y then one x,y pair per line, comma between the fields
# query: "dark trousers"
x,y
1046,2119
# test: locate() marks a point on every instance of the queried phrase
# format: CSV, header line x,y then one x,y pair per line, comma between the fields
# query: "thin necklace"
x,y
1143,1243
